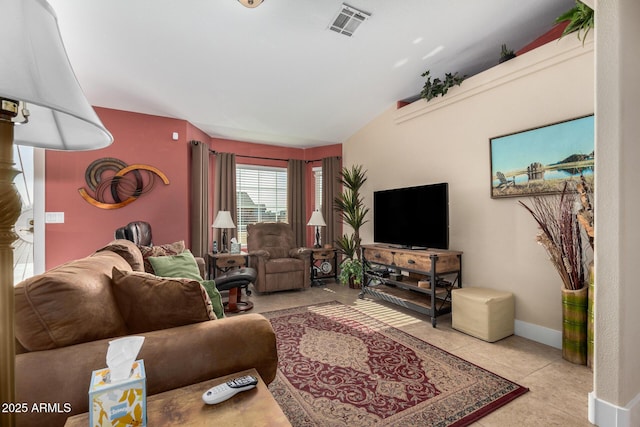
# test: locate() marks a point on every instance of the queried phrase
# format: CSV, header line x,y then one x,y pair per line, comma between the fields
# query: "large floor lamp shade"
x,y
41,105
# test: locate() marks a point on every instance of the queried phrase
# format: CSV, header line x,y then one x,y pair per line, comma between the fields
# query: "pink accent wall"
x,y
138,138
549,36
143,139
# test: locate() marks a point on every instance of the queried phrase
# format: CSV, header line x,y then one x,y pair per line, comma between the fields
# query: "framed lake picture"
x,y
541,160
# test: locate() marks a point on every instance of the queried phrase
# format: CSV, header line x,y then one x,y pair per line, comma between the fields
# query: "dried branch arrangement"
x,y
585,214
561,233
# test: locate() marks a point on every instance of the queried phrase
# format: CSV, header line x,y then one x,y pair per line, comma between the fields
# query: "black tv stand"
x,y
422,280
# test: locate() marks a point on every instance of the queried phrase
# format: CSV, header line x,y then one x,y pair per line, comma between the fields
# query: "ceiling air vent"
x,y
348,20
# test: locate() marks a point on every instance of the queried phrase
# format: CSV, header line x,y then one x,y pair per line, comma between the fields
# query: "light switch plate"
x,y
54,217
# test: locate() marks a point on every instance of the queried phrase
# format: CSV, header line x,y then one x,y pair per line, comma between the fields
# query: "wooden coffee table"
x,y
184,407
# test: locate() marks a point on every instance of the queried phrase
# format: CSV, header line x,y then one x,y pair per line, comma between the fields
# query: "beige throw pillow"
x,y
70,304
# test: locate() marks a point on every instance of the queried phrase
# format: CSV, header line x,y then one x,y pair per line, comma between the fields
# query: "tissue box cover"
x,y
120,404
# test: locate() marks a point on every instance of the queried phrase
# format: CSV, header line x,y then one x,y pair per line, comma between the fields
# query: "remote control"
x,y
224,391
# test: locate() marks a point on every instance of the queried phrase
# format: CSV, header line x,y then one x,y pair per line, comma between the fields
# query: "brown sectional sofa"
x,y
66,317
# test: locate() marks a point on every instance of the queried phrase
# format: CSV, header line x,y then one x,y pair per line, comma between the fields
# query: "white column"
x,y
615,400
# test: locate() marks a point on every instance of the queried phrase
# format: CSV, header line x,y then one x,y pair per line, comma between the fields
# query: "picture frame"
x,y
541,160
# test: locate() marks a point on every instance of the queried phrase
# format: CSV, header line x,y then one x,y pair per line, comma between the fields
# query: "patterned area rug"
x,y
341,367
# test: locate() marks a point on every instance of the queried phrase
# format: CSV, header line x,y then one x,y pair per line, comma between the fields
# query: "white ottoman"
x,y
487,314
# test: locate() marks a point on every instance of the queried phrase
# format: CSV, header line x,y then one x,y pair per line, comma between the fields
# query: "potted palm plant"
x,y
353,212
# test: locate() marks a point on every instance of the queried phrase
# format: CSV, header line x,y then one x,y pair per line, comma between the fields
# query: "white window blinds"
x,y
317,178
261,196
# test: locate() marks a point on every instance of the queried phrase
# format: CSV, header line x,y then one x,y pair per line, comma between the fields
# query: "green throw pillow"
x,y
214,296
182,266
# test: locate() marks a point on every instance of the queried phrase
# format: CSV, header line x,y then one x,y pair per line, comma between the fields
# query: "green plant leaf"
x,y
438,87
581,19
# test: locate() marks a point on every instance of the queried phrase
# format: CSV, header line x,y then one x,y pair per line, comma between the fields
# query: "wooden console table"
x,y
184,407
420,280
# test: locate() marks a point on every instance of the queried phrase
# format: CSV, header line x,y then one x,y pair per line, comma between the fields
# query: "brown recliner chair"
x,y
138,232
280,265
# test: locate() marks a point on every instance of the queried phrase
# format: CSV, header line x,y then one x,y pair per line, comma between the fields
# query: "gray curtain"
x,y
199,198
225,193
296,212
330,189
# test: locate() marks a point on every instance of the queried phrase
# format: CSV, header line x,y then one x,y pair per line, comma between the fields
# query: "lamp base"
x,y
317,245
224,249
10,202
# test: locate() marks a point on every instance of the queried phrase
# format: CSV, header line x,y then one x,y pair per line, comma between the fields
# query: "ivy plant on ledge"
x,y
437,87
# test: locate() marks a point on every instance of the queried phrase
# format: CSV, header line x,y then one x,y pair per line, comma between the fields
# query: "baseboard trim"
x,y
605,414
538,333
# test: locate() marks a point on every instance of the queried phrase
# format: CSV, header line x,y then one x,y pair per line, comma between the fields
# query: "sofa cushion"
x,y
148,302
127,250
182,265
160,250
185,266
70,304
284,265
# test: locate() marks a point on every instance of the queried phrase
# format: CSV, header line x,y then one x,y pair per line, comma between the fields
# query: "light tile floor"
x,y
557,389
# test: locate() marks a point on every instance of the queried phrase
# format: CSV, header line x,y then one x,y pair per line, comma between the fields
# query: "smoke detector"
x,y
348,20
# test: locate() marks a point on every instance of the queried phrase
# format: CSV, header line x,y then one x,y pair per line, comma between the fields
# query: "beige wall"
x,y
447,139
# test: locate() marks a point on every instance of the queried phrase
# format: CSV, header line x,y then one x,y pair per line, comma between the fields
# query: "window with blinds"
x,y
317,178
261,193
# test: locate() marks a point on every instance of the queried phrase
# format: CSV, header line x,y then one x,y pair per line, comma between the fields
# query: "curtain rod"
x,y
268,158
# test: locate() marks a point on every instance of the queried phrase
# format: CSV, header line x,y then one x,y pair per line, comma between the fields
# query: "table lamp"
x,y
41,105
318,221
223,220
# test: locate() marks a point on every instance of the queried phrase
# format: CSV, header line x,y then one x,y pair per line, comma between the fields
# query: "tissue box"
x,y
123,403
235,248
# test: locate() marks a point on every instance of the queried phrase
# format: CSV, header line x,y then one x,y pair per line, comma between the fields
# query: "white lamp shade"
x,y
223,220
34,68
317,219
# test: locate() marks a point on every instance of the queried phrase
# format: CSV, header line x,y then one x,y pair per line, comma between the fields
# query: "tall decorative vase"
x,y
574,325
590,317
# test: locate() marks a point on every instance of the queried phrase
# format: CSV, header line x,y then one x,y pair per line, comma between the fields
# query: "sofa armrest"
x,y
202,266
260,253
173,358
302,253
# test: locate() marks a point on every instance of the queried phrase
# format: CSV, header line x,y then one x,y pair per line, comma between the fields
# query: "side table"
x,y
184,407
223,262
324,265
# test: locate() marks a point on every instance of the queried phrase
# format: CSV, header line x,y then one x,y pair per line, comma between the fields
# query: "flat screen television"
x,y
414,217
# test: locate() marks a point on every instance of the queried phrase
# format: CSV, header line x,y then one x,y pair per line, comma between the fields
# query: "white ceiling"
x,y
276,74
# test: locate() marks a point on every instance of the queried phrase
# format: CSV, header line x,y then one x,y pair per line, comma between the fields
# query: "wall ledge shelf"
x,y
517,68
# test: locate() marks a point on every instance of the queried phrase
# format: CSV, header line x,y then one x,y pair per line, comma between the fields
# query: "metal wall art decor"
x,y
116,184
540,161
